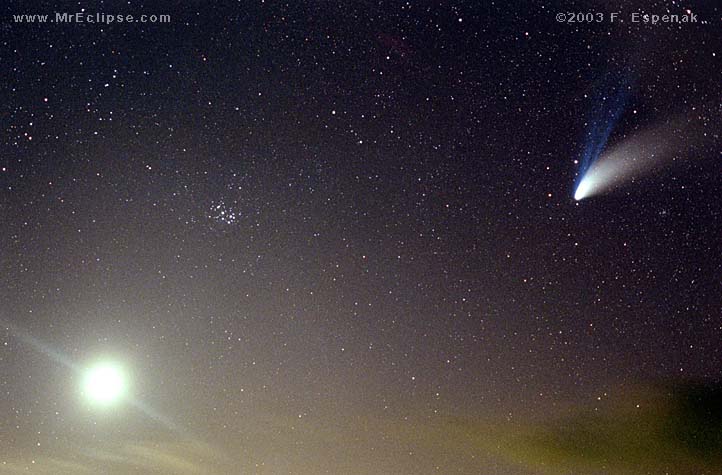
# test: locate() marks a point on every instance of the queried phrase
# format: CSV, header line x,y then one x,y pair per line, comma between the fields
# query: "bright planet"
x,y
104,383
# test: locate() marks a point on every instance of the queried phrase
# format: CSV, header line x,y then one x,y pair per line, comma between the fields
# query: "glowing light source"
x,y
104,383
583,189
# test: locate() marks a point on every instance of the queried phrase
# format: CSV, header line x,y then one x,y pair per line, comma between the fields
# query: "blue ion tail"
x,y
609,103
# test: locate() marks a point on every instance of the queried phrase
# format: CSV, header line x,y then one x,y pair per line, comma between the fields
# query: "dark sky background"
x,y
339,237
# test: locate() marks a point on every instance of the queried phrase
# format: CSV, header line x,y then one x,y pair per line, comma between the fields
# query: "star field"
x,y
340,237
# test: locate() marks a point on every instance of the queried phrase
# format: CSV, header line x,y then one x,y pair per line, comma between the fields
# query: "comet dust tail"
x,y
639,155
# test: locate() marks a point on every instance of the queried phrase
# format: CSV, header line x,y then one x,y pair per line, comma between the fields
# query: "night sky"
x,y
342,237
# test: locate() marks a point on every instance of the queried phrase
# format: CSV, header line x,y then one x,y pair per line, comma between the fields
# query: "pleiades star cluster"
x,y
345,237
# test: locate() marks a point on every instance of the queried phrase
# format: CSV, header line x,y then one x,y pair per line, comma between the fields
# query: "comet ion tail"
x,y
104,383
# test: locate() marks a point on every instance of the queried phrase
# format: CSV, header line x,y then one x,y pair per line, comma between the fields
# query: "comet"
x,y
633,157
